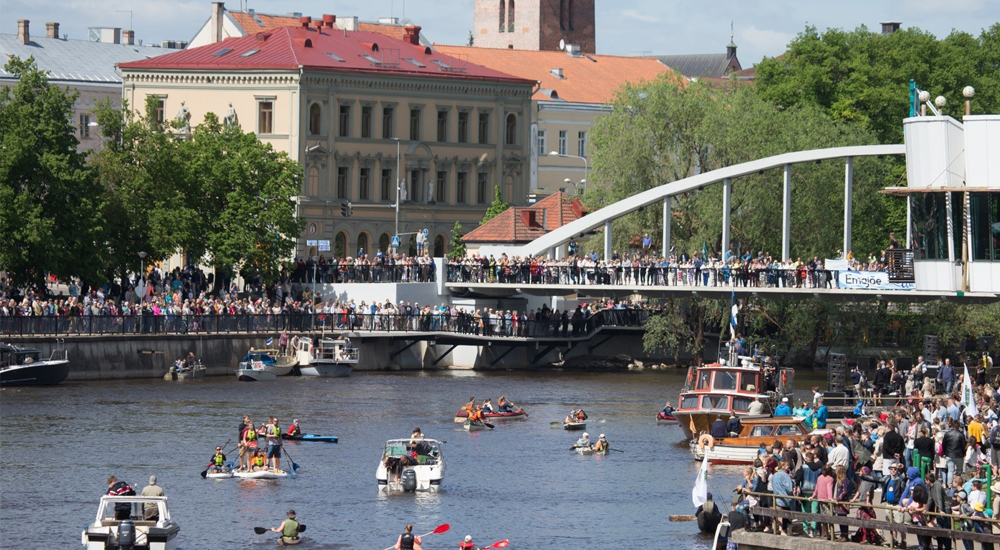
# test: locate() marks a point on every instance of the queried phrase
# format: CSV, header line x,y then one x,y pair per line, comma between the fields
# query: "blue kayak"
x,y
312,437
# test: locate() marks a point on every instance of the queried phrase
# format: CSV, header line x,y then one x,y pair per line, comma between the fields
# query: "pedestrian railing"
x,y
340,274
493,325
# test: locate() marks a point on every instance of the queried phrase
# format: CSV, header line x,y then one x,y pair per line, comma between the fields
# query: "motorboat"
x,y
730,387
261,474
470,426
254,371
272,360
328,357
400,470
136,532
21,366
664,419
745,447
574,425
182,370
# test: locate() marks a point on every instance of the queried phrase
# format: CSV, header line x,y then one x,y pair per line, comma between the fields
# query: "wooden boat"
x,y
312,437
663,419
574,425
744,448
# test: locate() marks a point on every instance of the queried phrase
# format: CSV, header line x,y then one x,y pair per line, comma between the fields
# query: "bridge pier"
x,y
848,197
727,204
786,215
607,240
666,227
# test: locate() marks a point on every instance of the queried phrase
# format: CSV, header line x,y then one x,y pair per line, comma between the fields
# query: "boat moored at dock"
x,y
328,357
21,366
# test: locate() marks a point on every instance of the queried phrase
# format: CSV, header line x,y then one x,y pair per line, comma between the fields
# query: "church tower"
x,y
535,24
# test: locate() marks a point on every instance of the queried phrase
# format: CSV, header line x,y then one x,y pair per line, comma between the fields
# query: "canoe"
x,y
587,451
263,474
665,419
574,425
460,416
219,475
473,426
312,437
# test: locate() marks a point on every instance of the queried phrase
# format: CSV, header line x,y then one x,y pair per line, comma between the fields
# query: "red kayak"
x,y
664,419
513,415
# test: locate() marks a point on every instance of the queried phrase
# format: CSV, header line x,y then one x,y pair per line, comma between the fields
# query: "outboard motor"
x,y
409,480
126,534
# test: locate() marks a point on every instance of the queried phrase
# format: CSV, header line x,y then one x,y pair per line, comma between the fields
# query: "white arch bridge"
x,y
551,244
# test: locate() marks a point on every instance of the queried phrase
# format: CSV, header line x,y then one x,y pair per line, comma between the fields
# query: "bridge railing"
x,y
645,276
464,323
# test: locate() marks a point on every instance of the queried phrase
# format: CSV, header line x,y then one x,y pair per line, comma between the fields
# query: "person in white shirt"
x,y
756,408
839,456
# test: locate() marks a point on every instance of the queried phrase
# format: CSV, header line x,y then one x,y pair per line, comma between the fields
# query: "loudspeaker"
x,y
930,348
837,372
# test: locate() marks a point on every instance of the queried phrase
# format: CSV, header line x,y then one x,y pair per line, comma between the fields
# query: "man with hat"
x,y
289,529
783,409
893,486
467,543
602,445
150,511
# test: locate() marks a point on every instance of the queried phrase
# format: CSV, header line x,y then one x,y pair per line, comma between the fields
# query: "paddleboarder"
x,y
217,464
289,529
273,435
407,541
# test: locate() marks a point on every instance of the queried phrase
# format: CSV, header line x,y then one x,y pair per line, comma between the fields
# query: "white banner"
x,y
839,264
869,280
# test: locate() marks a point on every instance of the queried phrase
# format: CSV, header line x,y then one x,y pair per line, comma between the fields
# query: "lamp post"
x,y
142,264
399,183
586,166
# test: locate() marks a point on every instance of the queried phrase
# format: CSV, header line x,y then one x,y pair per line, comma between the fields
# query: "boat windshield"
x,y
704,378
689,402
423,447
791,429
724,380
748,382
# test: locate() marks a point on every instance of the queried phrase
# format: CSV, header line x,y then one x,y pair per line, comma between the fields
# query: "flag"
x,y
269,341
699,495
967,397
732,317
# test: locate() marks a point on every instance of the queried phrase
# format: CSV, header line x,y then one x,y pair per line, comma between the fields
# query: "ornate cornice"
x,y
218,79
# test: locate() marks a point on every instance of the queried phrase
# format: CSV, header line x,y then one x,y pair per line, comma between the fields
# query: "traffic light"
x,y
346,209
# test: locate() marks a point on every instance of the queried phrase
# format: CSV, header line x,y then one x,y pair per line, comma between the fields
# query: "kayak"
x,y
460,416
262,474
219,475
663,419
473,426
574,425
312,437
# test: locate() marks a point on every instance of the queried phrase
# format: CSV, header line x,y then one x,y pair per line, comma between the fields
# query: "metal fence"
x,y
463,323
371,274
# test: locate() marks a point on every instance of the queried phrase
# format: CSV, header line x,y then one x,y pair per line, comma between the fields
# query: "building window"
x,y
387,122
84,126
562,142
463,127
161,105
581,144
383,242
442,126
315,118
461,184
363,243
366,122
364,184
344,121
441,187
481,195
265,117
386,185
415,187
415,124
511,135
503,13
510,16
312,182
342,182
541,143
985,214
484,127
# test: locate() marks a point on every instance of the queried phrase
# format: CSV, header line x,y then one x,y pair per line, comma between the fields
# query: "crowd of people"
x,y
380,268
928,456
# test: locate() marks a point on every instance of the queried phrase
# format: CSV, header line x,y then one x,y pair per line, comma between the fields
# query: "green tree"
x,y
49,216
457,244
496,208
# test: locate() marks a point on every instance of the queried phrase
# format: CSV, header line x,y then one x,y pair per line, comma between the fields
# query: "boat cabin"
x,y
753,432
11,356
721,387
259,356
341,351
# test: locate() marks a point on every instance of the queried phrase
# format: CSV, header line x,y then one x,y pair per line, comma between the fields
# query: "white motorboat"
x,y
399,471
273,360
25,367
136,532
254,371
574,425
329,358
261,474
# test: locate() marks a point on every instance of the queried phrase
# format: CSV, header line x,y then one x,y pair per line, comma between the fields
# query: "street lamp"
x,y
586,166
142,264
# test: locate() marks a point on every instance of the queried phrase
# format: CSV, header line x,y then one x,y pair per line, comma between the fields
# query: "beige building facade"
x,y
363,112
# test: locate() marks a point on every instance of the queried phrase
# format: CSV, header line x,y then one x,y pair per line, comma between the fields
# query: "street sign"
x,y
426,231
395,241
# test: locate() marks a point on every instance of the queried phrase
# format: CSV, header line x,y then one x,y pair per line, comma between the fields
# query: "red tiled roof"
x,y
590,78
292,47
524,224
249,24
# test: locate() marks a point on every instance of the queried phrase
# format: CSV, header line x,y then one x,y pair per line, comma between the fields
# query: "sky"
x,y
624,27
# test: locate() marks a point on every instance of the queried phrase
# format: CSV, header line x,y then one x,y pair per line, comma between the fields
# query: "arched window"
x,y
511,135
363,243
312,182
562,14
340,245
383,242
569,14
510,16
412,251
503,13
315,119
439,246
508,189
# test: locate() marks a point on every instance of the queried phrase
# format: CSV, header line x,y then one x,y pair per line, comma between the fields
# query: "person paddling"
x,y
505,406
408,541
294,430
470,406
289,529
584,442
216,464
467,543
602,445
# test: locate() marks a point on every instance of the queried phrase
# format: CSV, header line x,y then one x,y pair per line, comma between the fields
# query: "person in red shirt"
x,y
467,543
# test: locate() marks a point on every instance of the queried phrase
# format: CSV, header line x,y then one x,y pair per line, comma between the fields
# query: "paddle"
x,y
488,425
204,473
294,465
499,544
616,450
555,424
524,412
262,530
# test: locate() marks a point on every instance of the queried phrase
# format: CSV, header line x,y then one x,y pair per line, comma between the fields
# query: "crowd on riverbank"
x,y
927,455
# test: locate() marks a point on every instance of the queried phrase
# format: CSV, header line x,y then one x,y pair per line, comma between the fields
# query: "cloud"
x,y
645,17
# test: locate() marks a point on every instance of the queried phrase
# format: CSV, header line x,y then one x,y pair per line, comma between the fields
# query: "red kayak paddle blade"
x,y
500,544
443,528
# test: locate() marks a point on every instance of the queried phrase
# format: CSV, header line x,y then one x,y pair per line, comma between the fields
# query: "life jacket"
x,y
466,545
602,445
274,430
218,459
293,430
406,541
251,434
259,461
291,530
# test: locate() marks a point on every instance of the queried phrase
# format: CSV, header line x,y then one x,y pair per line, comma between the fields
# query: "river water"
x,y
520,482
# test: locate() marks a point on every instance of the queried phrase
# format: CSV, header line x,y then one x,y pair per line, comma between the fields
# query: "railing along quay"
x,y
464,323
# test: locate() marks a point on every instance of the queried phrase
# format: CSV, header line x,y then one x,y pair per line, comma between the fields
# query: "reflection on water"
x,y
519,481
